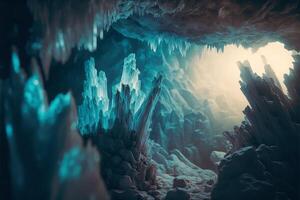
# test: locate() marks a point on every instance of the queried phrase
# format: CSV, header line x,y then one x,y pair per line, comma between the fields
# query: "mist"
x,y
216,76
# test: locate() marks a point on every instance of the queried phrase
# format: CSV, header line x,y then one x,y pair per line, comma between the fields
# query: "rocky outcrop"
x,y
264,161
176,174
178,194
251,173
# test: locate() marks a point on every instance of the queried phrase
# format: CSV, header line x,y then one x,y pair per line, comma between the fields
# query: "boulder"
x,y
125,182
217,156
127,155
178,194
130,194
179,182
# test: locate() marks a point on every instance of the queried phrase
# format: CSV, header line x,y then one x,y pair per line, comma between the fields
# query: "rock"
x,y
126,166
136,154
159,158
207,188
125,182
119,144
107,143
151,174
244,187
116,160
155,193
130,194
178,194
128,156
178,182
242,161
210,182
267,154
132,173
217,156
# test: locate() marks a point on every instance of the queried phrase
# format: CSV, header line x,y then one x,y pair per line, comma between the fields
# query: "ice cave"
x,y
150,100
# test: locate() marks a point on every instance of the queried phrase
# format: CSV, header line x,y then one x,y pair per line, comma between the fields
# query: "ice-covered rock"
x,y
217,156
175,166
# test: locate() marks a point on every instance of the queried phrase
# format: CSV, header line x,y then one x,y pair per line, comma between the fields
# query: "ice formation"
x,y
129,104
96,102
172,43
96,18
130,77
38,135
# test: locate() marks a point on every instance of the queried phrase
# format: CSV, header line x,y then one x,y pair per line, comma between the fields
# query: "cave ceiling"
x,y
213,23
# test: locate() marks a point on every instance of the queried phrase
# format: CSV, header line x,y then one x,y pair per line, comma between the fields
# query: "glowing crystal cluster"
x,y
129,105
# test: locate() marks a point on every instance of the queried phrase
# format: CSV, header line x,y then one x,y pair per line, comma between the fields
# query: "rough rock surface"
x,y
269,167
174,170
174,23
178,194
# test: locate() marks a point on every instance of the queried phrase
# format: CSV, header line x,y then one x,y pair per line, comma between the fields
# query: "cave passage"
x,y
149,100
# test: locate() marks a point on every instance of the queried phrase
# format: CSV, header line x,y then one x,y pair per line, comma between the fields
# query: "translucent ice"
x,y
129,107
95,99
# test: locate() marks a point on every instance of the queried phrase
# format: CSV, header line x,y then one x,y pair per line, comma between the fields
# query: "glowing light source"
x,y
217,75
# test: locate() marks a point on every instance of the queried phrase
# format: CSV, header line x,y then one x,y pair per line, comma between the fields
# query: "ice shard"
x,y
95,104
38,135
130,77
97,111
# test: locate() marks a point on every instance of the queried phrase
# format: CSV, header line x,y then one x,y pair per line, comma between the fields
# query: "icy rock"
x,y
180,182
217,156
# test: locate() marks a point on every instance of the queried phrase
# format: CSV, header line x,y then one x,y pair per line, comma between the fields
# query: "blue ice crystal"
x,y
70,167
15,62
95,99
9,130
130,77
33,97
98,111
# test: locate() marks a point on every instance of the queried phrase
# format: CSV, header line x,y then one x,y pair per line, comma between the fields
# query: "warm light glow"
x,y
217,73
